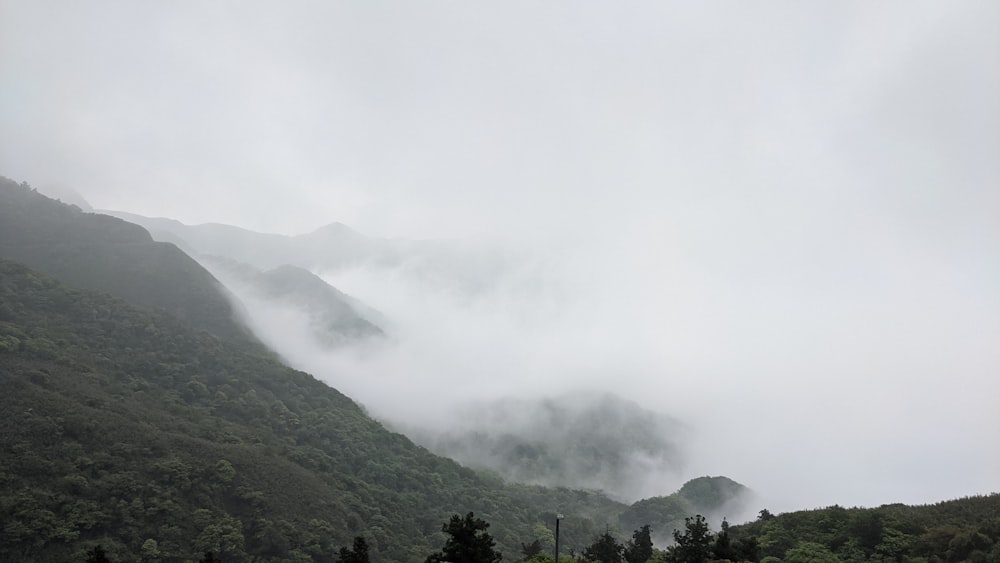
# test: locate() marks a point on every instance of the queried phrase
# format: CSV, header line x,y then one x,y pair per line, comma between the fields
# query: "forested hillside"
x,y
107,254
151,425
125,428
965,529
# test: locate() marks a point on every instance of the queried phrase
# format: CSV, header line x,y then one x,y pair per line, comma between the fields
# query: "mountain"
x,y
124,426
331,247
334,318
714,497
335,248
127,429
592,441
66,195
107,254
139,416
258,267
263,251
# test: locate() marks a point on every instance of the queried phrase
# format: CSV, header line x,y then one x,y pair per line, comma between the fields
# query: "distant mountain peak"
x,y
334,229
66,195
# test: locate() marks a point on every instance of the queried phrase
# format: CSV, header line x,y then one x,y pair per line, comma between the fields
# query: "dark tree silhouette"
x,y
530,550
359,553
97,555
694,545
748,549
210,558
640,548
604,550
469,542
722,549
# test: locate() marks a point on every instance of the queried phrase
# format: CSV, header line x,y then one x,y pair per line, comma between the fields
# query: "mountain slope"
x,y
333,317
123,425
126,428
147,422
107,254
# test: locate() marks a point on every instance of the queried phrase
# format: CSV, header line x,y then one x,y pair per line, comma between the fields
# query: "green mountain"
x,y
126,428
107,254
716,497
139,416
125,425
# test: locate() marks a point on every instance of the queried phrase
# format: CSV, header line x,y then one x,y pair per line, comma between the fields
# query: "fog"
x,y
777,222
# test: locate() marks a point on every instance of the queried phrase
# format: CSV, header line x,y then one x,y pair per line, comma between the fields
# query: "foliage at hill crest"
x,y
966,529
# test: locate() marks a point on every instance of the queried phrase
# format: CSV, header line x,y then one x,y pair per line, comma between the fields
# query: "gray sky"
x,y
780,220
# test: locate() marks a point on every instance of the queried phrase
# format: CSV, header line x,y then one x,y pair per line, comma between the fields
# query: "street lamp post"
x,y
558,518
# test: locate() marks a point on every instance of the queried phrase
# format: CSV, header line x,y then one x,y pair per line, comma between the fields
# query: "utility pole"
x,y
558,518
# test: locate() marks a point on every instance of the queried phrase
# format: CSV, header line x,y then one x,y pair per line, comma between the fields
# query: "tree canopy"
x,y
468,542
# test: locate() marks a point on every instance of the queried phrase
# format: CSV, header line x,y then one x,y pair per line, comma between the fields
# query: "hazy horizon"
x,y
779,223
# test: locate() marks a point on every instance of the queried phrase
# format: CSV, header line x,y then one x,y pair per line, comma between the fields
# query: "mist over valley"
x,y
318,281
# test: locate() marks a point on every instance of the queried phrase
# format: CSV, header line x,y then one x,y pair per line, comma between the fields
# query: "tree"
x,y
747,549
150,551
210,558
723,547
640,548
97,555
224,537
359,554
530,550
810,552
604,550
694,545
469,542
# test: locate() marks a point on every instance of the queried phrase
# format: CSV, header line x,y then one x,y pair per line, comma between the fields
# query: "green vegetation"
x,y
468,542
966,529
143,420
106,254
710,495
358,553
125,428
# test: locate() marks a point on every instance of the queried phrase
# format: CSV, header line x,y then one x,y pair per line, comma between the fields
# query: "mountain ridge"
x,y
105,253
134,427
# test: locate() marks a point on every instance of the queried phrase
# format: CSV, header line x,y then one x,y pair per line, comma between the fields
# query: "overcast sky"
x,y
781,220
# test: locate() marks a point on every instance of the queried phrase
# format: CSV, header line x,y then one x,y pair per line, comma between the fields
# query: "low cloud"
x,y
811,394
776,223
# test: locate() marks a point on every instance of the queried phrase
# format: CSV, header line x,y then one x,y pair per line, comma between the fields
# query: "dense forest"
x,y
141,422
966,529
